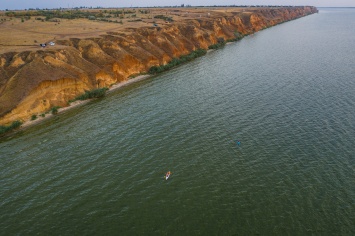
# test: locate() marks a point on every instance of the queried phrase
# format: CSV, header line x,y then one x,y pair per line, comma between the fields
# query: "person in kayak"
x,y
167,175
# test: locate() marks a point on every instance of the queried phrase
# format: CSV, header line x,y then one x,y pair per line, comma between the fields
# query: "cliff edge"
x,y
34,81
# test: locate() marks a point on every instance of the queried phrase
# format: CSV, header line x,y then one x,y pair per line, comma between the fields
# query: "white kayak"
x,y
167,175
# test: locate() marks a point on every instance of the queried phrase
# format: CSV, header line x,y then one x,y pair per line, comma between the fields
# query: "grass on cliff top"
x,y
14,125
177,61
25,30
96,93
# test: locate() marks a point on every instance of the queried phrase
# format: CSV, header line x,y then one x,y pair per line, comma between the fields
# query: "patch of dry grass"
x,y
18,35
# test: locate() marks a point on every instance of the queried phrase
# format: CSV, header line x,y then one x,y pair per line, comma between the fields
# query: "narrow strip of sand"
x,y
127,82
82,102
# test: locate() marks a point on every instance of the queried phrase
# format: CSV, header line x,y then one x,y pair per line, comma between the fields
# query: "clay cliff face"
x,y
33,82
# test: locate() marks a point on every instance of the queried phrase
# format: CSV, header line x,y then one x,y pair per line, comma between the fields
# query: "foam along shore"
x,y
78,103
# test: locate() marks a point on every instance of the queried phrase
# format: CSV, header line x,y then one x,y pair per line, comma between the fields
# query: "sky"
x,y
25,4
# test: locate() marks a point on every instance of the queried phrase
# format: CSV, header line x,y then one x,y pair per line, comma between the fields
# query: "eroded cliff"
x,y
31,82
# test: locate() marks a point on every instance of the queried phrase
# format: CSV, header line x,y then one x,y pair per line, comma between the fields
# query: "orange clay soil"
x,y
16,35
91,54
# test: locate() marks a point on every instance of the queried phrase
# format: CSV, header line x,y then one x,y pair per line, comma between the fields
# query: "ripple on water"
x,y
99,168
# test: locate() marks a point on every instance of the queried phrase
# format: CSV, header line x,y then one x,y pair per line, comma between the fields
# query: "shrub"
x,y
216,46
177,61
166,18
54,110
237,36
14,125
96,93
33,117
220,43
134,20
3,129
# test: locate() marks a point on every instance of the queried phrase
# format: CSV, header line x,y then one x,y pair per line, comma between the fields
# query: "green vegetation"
x,y
144,11
166,18
220,43
217,45
54,110
197,53
14,125
68,14
177,61
236,38
96,93
106,20
134,20
33,117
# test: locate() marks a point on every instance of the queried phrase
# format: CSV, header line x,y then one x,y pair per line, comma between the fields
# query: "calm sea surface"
x,y
287,93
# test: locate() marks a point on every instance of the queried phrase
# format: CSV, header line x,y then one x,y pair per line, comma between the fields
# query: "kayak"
x,y
167,175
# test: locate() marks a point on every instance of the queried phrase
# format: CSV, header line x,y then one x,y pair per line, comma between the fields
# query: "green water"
x,y
287,93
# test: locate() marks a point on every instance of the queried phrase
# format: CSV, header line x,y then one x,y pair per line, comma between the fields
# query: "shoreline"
x,y
124,52
116,86
78,103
